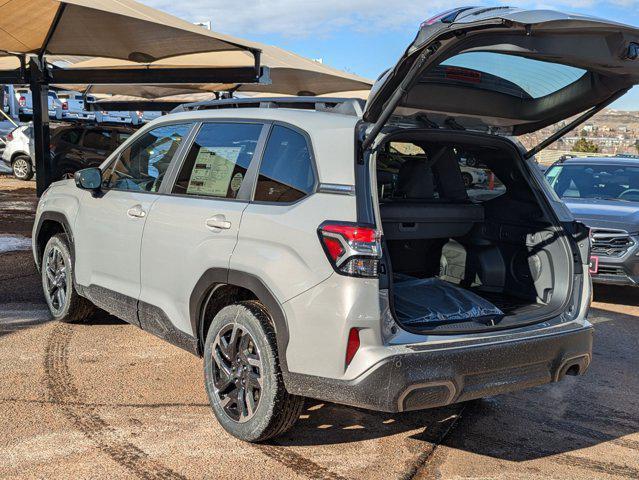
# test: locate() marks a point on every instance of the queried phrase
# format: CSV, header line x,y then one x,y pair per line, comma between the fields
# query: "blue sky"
x,y
361,36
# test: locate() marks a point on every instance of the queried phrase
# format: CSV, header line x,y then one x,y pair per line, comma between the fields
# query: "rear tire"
x,y
62,298
22,168
242,374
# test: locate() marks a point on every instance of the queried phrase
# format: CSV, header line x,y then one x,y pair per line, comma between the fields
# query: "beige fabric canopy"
x,y
291,74
122,29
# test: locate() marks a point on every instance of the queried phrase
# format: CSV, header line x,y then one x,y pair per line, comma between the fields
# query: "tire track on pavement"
x,y
297,463
63,392
84,417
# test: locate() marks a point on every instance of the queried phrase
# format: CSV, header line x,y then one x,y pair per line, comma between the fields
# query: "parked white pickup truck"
x,y
25,102
72,107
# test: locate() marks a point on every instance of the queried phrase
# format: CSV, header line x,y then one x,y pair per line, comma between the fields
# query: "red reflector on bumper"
x,y
352,346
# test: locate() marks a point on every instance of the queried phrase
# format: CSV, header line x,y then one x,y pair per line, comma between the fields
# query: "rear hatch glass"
x,y
507,70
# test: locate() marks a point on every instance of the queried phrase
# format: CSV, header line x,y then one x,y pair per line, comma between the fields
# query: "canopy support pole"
x,y
39,85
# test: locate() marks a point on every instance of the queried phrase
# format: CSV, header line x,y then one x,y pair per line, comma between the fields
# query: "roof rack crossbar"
x,y
346,106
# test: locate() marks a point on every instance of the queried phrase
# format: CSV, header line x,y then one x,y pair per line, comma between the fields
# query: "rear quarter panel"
x,y
279,243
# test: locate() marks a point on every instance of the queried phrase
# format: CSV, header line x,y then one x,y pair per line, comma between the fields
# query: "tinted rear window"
x,y
509,74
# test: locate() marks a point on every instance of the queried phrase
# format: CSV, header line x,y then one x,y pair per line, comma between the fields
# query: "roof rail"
x,y
345,106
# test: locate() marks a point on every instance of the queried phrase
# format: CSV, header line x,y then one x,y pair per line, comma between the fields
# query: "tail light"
x,y
353,250
352,346
22,101
65,106
9,136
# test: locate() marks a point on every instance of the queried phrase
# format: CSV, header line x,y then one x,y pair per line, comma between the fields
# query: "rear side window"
x,y
286,172
98,140
217,162
72,136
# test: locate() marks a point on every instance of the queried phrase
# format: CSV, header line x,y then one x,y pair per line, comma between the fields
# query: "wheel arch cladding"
x,y
219,287
20,153
50,224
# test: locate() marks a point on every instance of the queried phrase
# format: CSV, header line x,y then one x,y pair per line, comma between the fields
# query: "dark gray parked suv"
x,y
603,193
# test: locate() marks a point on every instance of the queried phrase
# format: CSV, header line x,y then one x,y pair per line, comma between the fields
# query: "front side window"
x,y
286,172
217,162
143,164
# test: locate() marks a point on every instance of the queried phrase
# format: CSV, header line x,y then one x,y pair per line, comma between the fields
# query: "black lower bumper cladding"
x,y
436,377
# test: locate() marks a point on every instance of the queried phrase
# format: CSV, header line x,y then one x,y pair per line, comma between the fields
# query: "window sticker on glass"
x,y
212,172
236,182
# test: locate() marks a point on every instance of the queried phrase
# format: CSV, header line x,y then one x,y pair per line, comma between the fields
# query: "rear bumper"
x,y
113,119
78,116
433,377
620,279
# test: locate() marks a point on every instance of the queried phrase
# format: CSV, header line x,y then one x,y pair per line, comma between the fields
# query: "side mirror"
x,y
89,179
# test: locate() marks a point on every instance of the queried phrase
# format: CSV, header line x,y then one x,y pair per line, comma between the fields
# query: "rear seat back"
x,y
417,212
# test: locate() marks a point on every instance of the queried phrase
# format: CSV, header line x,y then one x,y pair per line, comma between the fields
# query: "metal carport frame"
x,y
40,76
120,29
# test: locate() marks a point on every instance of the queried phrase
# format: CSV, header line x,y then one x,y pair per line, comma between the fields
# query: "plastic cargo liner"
x,y
435,302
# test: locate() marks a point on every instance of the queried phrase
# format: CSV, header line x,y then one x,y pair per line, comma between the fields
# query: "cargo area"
x,y
467,244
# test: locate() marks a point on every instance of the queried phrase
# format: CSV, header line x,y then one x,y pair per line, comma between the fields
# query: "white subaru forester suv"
x,y
324,248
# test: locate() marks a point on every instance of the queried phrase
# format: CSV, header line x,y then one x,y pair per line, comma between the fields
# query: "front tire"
x,y
66,173
22,168
242,375
63,300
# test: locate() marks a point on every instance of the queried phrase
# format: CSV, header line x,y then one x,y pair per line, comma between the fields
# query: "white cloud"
x,y
322,17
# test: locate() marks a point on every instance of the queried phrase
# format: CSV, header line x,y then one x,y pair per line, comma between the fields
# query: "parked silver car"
x,y
301,256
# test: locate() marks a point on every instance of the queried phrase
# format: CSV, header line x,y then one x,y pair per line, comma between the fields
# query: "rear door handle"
x,y
218,222
136,212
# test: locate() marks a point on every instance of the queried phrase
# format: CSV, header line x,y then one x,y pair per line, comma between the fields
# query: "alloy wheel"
x,y
237,372
56,280
20,168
